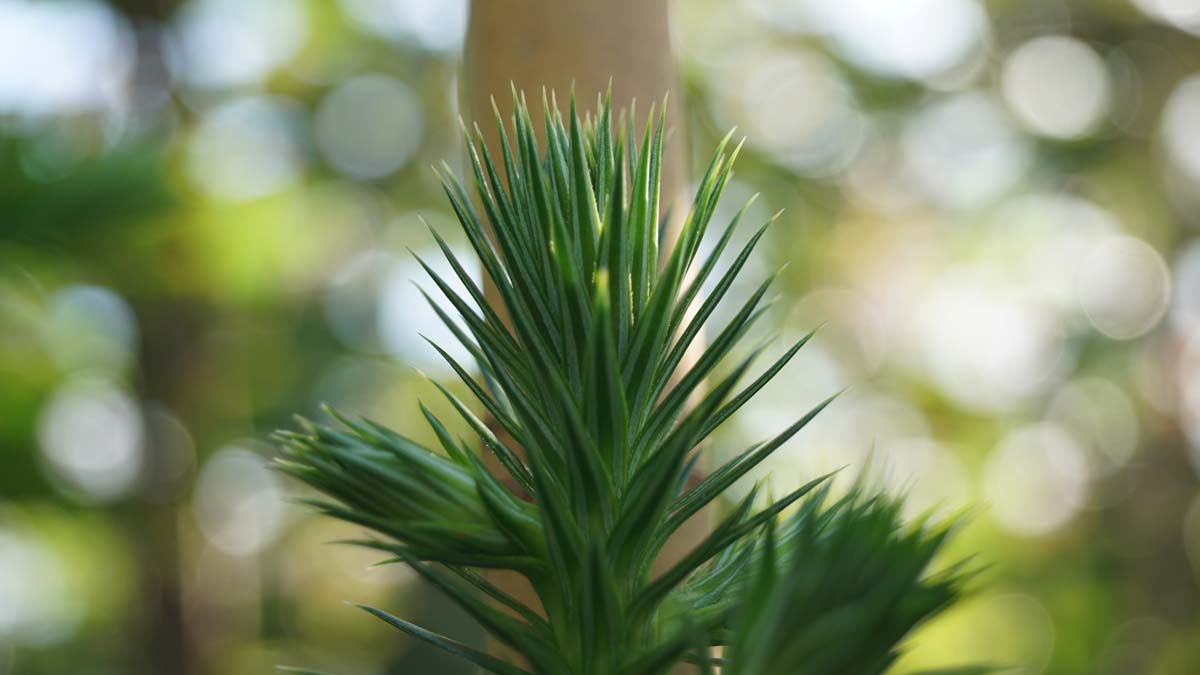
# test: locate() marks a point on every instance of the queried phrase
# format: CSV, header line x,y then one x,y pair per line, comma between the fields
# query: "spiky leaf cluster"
x,y
582,370
835,589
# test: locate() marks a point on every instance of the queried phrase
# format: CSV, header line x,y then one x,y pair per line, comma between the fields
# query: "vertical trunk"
x,y
169,329
152,521
557,44
585,44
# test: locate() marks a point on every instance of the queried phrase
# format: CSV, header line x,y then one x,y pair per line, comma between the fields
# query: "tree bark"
x,y
585,44
557,44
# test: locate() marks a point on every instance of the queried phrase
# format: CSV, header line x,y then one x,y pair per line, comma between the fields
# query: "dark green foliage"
x,y
79,213
586,380
836,589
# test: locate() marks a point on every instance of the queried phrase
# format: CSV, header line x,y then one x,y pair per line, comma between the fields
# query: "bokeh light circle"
x,y
91,328
436,25
1124,287
963,151
1181,118
914,39
237,501
369,126
36,607
1057,86
91,434
246,148
62,57
1036,480
1185,305
230,43
986,342
1182,14
405,319
1100,414
794,105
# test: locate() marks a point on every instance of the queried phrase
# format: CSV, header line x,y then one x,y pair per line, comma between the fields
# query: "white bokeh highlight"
x,y
91,436
1124,287
1057,87
915,39
962,150
247,148
405,318
91,328
1182,14
62,57
1035,480
1100,415
436,25
237,502
36,607
986,342
369,126
1181,118
231,43
1185,304
794,106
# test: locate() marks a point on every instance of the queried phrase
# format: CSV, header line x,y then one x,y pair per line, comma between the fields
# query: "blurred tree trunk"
x,y
170,329
162,634
557,44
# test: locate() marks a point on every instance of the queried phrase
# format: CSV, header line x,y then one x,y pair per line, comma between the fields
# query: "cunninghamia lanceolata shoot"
x,y
602,423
